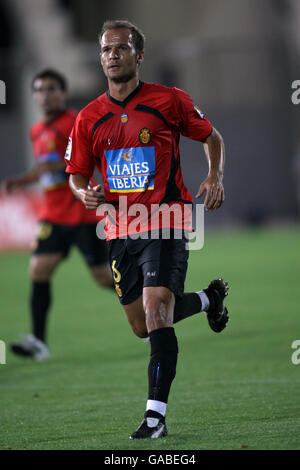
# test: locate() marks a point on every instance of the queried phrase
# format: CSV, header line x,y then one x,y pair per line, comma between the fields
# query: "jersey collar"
x,y
129,97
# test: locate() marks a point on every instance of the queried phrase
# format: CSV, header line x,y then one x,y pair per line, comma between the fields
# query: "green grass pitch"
x,y
235,390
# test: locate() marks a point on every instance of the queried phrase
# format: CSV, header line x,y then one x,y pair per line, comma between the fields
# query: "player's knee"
x,y
39,272
41,269
102,276
141,333
105,281
156,310
139,330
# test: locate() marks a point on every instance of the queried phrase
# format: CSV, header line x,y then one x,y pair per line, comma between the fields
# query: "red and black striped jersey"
x,y
135,146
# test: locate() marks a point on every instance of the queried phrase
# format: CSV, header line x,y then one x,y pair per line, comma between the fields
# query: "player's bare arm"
x,y
32,176
212,186
17,182
46,167
91,197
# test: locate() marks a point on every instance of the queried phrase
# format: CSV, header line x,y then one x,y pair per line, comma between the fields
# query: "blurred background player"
x,y
64,221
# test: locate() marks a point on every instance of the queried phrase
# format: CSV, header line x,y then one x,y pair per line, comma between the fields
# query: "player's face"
x,y
118,55
48,95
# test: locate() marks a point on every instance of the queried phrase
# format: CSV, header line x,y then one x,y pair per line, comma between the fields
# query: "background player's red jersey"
x,y
135,145
49,143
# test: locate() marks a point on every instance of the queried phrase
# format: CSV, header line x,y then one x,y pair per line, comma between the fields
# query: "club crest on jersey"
x,y
124,118
131,169
201,114
144,136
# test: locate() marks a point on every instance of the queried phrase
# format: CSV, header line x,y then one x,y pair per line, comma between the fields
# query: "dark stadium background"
x,y
237,59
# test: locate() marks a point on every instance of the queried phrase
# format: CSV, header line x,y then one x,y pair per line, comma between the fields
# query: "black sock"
x,y
162,365
40,303
187,306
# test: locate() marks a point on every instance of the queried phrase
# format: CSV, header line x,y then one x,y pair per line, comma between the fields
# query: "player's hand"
x,y
214,190
43,167
93,197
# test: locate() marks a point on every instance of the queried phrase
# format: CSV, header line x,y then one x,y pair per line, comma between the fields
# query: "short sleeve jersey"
x,y
135,146
49,142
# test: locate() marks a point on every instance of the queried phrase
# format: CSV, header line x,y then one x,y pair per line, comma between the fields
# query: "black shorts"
x,y
148,263
55,238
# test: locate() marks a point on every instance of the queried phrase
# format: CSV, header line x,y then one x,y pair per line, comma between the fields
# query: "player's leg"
x,y
164,264
136,317
41,270
159,309
95,253
49,251
152,314
209,299
160,266
102,275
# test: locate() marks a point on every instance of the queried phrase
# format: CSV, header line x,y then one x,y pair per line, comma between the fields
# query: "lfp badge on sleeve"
x,y
69,149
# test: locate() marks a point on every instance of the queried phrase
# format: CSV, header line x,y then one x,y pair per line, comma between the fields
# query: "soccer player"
x,y
131,133
64,221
